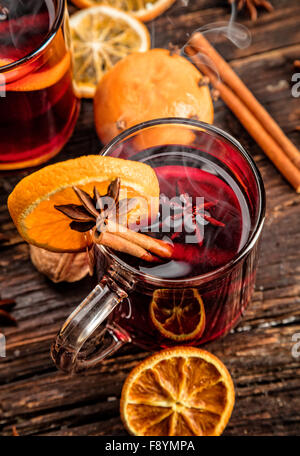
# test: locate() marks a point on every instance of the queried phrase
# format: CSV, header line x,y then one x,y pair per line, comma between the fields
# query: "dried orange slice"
x,y
145,10
31,204
182,391
178,314
102,36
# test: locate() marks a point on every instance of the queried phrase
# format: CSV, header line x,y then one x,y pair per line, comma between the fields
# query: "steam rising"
x,y
237,33
25,25
218,242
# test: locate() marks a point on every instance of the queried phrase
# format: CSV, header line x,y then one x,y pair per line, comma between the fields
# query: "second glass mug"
x,y
120,308
38,107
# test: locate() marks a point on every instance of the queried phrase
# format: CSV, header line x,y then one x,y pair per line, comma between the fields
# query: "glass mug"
x,y
36,91
202,293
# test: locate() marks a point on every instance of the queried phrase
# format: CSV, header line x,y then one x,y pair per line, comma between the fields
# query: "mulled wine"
x,y
212,206
38,105
206,214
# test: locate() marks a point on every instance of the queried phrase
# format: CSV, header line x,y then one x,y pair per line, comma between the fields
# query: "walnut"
x,y
61,267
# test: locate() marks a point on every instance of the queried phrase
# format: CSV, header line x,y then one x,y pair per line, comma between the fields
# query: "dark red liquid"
x,y
38,106
26,26
157,316
218,243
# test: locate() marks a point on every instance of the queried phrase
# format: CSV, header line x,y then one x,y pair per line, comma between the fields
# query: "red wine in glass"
x,y
199,293
183,313
38,106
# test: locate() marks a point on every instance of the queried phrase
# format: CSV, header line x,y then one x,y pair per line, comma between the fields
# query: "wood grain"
x,y
39,400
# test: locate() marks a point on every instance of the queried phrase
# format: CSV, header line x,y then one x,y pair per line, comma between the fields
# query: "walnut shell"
x,y
60,267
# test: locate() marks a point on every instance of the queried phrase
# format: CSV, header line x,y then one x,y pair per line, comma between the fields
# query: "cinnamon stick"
x,y
156,246
252,125
120,244
7,318
200,43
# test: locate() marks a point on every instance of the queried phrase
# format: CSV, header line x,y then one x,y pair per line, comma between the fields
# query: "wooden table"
x,y
39,400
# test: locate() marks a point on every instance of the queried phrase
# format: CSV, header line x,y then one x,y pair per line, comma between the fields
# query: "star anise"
x,y
95,211
252,6
184,208
6,305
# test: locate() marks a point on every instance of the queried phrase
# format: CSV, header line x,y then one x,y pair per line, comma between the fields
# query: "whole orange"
x,y
149,85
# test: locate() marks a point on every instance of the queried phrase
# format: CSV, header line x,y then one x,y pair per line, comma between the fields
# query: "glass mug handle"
x,y
81,325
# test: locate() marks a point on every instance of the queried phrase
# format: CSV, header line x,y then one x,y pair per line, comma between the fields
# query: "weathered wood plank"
x,y
261,364
41,401
281,27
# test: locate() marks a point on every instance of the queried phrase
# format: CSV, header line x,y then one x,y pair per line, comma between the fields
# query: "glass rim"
x,y
46,41
253,238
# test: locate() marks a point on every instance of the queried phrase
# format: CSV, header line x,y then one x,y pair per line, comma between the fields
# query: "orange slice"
x,y
45,77
178,314
5,61
145,10
182,391
31,204
101,36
